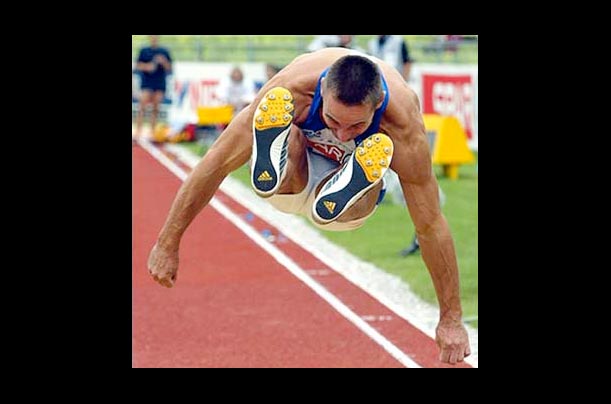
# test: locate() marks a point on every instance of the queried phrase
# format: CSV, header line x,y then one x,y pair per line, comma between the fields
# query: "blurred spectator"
x,y
452,42
393,50
135,90
323,41
236,90
154,63
329,41
444,43
271,70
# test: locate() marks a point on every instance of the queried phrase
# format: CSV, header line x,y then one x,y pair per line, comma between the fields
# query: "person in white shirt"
x,y
393,50
334,41
236,90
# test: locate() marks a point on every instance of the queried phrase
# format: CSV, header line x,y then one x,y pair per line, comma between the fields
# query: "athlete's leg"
x,y
296,177
353,191
298,199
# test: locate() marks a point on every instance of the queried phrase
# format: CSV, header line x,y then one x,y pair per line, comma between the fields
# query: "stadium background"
x,y
200,61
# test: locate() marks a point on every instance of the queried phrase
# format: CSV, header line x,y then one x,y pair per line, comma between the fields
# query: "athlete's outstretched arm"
x,y
231,150
412,162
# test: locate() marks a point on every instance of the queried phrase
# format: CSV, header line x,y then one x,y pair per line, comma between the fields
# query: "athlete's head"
x,y
352,91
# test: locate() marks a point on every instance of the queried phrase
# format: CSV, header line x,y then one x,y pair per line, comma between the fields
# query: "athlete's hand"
x,y
453,341
163,265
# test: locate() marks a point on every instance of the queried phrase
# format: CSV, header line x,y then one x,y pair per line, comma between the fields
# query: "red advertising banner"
x,y
450,95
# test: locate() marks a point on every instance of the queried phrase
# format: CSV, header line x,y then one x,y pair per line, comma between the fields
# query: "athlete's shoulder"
x,y
302,74
403,100
301,82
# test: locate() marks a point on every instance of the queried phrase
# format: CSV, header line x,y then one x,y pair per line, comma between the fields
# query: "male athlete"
x,y
320,136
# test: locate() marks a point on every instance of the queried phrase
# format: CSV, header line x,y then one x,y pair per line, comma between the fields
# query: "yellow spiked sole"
x,y
271,128
374,155
275,109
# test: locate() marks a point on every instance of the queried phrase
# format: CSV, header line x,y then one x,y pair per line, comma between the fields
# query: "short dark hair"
x,y
355,80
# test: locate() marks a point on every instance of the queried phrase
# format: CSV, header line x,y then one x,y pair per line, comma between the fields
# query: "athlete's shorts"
x,y
319,168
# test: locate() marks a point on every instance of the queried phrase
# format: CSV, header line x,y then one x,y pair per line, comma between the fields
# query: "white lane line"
x,y
388,289
289,264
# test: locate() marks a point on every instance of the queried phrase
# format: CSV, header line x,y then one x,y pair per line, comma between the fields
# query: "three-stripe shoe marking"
x,y
363,170
271,127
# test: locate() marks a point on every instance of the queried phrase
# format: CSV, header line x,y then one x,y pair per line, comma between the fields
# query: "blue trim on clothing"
x,y
314,122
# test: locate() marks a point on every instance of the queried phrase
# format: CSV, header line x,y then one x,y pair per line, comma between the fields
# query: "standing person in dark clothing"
x,y
154,63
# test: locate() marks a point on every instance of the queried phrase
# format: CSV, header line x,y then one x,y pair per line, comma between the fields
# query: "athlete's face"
x,y
346,122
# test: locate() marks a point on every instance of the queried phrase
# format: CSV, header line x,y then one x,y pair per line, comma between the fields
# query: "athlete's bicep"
x,y
412,163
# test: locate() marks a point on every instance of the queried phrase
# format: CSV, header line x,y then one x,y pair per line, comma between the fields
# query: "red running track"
x,y
235,306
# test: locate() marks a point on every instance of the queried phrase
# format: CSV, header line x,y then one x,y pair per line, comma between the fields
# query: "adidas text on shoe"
x,y
271,128
361,172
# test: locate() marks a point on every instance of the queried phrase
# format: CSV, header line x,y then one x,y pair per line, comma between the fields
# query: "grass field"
x,y
390,230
